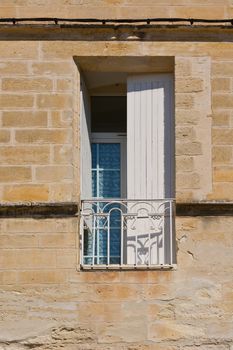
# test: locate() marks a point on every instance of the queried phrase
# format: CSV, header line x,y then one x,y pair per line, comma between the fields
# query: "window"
x,y
127,150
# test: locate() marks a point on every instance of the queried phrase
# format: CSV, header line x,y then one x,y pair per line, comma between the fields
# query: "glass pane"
x,y
94,155
109,184
102,238
109,156
94,183
115,218
115,242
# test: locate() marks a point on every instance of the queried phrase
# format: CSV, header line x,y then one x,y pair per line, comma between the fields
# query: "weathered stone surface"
x,y
46,302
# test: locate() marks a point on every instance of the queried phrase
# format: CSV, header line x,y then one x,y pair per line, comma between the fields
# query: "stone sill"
x,y
71,209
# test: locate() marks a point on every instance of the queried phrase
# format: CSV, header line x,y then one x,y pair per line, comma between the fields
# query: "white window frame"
x,y
110,137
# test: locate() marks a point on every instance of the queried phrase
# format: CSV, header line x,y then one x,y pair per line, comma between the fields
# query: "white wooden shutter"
x,y
150,157
85,146
149,136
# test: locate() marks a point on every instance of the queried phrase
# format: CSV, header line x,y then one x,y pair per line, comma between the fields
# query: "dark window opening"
x,y
108,114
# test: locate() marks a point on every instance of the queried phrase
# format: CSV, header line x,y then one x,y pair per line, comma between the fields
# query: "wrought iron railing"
x,y
122,233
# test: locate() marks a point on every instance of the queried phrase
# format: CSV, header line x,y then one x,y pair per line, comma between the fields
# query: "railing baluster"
x,y
161,262
171,231
149,250
108,240
122,238
93,253
98,245
81,250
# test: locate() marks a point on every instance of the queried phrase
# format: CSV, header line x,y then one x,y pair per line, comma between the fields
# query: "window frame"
x,y
121,138
106,137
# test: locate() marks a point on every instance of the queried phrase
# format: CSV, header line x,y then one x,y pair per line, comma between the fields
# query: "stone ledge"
x,y
204,209
71,209
39,210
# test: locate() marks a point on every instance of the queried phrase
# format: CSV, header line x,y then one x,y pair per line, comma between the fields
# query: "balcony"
x,y
127,234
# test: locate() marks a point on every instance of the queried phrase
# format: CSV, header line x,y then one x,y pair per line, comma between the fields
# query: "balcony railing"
x,y
122,233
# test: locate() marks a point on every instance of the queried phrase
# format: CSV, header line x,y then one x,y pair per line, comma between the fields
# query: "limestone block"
x,y
184,100
51,68
96,277
160,277
157,292
23,259
24,119
8,277
43,136
185,133
27,84
55,101
188,148
13,68
40,226
4,136
57,240
195,11
100,312
182,117
222,69
61,119
221,118
135,10
42,276
53,173
121,332
134,277
62,154
15,174
13,101
61,192
222,136
25,155
32,192
117,292
161,311
18,241
222,154
183,67
221,84
66,258
223,174
188,180
64,85
184,163
222,101
222,191
188,85
19,49
164,330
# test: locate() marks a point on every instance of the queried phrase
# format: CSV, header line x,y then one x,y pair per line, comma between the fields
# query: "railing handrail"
x,y
128,200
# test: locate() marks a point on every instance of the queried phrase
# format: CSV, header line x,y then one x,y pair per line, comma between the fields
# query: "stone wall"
x,y
46,301
47,304
36,126
40,117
